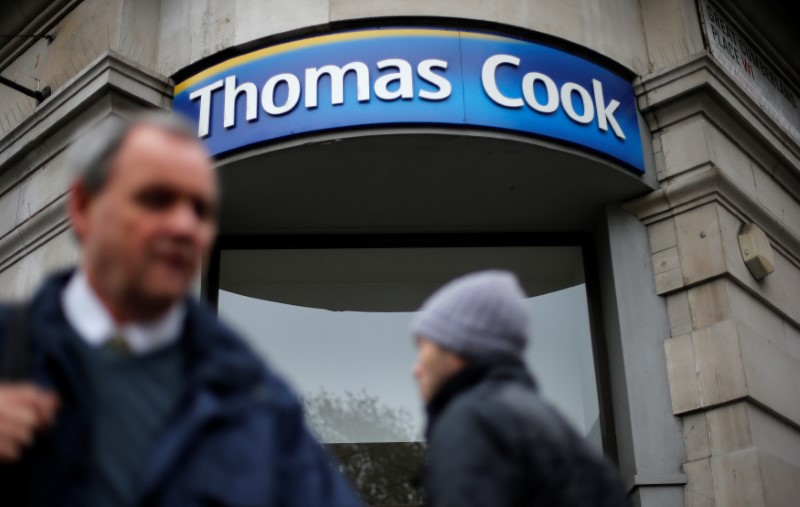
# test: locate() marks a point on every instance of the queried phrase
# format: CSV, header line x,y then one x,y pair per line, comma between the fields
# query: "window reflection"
x,y
335,323
384,473
353,368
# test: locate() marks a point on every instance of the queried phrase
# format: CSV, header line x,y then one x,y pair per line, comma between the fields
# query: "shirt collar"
x,y
93,322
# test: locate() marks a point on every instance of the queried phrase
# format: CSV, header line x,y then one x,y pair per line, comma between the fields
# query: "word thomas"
x,y
396,81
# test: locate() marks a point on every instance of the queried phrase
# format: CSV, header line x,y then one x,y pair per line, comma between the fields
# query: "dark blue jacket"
x,y
238,440
493,441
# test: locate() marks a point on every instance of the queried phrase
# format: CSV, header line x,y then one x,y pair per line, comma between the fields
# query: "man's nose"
x,y
183,219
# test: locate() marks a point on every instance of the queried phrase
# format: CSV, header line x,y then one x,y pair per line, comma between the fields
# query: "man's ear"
x,y
78,203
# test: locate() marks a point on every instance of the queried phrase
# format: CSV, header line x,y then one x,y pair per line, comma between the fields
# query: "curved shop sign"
x,y
412,76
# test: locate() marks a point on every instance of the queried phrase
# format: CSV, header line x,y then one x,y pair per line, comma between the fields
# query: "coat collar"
x,y
475,372
217,357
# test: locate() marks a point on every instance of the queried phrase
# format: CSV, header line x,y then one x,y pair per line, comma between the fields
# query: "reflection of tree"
x,y
356,417
379,455
383,473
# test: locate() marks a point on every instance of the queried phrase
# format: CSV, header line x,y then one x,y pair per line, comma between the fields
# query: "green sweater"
x,y
133,396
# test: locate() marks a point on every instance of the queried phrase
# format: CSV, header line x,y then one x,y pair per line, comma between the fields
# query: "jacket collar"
x,y
475,372
221,360
56,359
217,357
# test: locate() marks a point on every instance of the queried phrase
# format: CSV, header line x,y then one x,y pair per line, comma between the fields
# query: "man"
x,y
493,441
137,394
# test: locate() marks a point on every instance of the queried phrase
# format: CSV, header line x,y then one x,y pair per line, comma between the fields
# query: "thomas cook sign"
x,y
412,76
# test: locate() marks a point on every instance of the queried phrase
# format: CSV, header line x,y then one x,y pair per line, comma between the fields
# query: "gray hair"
x,y
91,157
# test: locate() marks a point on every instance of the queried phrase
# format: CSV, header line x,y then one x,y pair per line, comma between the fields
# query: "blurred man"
x,y
493,441
137,395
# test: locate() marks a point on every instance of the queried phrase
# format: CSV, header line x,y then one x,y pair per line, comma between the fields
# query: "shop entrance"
x,y
328,248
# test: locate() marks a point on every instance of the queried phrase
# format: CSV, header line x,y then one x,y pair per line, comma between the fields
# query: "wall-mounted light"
x,y
756,251
37,94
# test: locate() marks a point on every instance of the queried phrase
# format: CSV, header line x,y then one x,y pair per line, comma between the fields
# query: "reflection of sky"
x,y
372,351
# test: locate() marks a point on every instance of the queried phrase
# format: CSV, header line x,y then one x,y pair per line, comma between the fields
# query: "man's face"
x,y
434,365
145,233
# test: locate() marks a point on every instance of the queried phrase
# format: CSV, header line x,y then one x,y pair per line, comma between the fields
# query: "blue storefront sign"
x,y
422,76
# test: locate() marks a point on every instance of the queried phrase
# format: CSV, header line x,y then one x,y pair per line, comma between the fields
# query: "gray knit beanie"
x,y
477,315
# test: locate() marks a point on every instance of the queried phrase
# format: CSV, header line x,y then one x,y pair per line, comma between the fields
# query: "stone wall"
x,y
733,357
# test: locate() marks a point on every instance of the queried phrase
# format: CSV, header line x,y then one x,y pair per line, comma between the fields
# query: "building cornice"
x,y
86,99
663,98
33,233
706,184
700,87
109,72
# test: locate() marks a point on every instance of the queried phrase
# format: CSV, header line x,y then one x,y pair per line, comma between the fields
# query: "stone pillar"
x,y
733,356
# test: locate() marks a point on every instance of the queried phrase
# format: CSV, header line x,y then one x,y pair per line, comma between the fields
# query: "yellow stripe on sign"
x,y
327,39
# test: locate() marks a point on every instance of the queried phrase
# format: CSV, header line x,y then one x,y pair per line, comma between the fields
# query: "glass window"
x,y
335,323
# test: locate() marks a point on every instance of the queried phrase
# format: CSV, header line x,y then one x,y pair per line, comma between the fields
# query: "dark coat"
x,y
239,439
494,442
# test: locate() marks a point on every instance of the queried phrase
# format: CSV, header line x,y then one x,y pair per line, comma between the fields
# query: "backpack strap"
x,y
16,363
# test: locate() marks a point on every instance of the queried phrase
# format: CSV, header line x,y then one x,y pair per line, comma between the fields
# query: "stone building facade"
x,y
700,361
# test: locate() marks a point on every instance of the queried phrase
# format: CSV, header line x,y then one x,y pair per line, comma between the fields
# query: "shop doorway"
x,y
329,244
332,315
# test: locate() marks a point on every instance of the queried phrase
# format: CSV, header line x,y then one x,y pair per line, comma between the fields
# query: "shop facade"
x,y
635,163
